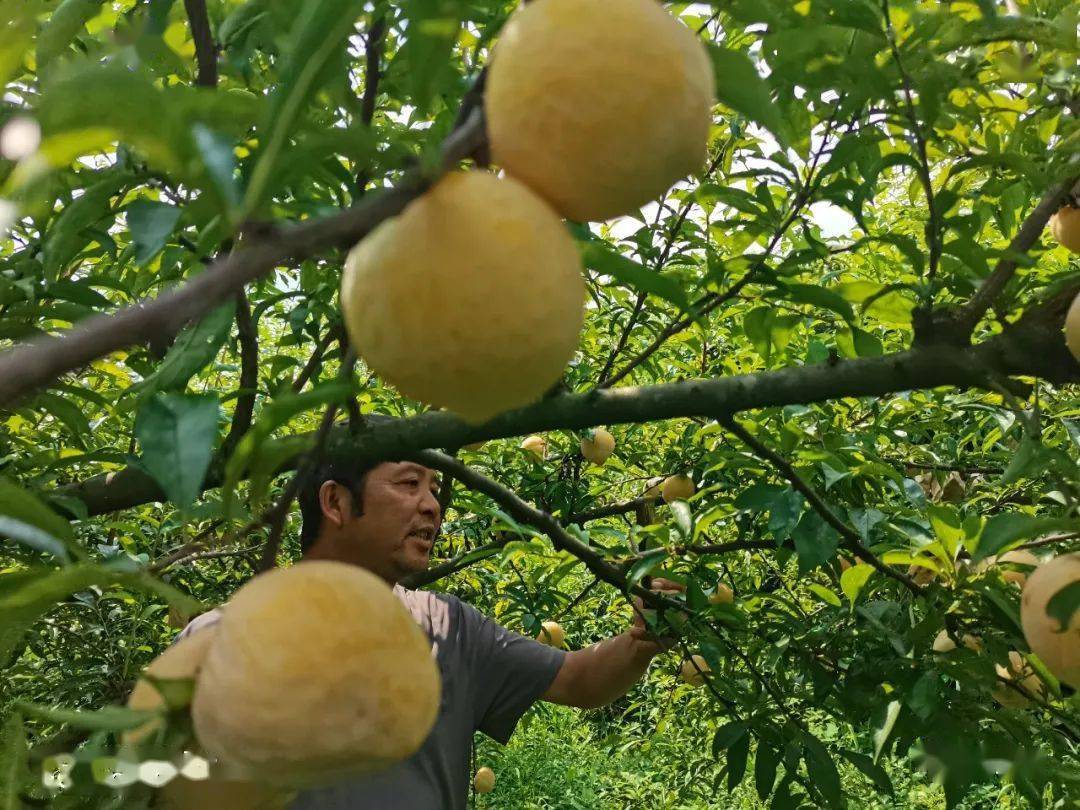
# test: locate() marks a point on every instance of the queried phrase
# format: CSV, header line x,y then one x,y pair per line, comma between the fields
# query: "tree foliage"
x,y
846,329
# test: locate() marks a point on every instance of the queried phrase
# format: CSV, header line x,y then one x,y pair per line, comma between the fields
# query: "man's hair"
x,y
348,473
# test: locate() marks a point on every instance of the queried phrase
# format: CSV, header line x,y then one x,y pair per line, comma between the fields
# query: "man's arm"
x,y
605,671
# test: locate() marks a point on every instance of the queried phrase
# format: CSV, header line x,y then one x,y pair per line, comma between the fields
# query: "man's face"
x,y
400,521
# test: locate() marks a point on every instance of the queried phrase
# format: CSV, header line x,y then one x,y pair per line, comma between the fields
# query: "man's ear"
x,y
335,501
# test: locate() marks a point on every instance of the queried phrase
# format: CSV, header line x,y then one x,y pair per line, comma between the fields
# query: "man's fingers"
x,y
659,584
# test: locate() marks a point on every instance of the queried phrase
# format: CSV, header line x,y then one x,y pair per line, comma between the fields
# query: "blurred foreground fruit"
x,y
1057,647
304,680
470,299
723,595
598,105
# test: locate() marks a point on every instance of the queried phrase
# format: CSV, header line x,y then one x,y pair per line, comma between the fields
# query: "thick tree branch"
x,y
1033,346
205,49
35,364
607,511
849,536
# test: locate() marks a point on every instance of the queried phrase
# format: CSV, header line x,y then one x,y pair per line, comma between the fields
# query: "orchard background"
x,y
846,329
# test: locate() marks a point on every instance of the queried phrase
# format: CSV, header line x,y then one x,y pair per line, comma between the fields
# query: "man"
x,y
385,518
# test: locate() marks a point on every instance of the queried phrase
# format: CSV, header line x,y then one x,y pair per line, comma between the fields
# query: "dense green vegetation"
x,y
866,245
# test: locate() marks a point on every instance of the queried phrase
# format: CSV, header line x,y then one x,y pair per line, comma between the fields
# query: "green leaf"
x,y
766,758
819,297
875,772
33,537
815,541
66,237
177,433
433,27
726,736
315,46
826,595
18,21
650,560
60,28
948,526
822,771
26,595
853,579
684,519
196,346
737,754
109,718
925,697
1063,604
14,762
600,258
25,506
884,734
1006,529
151,224
219,159
739,86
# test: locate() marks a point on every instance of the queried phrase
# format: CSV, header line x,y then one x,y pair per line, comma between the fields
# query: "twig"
x,y
525,513
606,511
248,338
373,47
276,517
314,362
205,49
933,227
1026,237
36,363
851,539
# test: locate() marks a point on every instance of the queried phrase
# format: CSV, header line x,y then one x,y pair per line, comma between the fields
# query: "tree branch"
x,y
248,337
850,538
1021,243
38,362
205,49
1032,346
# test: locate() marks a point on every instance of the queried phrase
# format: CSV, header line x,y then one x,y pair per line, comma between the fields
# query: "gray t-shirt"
x,y
490,677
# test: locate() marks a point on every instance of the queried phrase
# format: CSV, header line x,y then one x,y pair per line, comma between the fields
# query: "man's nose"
x,y
429,505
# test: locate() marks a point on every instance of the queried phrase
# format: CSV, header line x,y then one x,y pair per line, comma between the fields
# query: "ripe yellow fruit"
x,y
1020,557
598,105
181,661
484,781
693,671
921,574
1065,226
471,299
535,445
552,634
1060,651
677,488
944,644
599,448
722,596
1072,328
1018,670
304,680
652,489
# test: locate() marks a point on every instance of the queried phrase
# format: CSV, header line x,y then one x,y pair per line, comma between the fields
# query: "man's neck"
x,y
325,548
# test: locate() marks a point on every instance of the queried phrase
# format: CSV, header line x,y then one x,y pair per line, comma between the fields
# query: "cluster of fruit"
x,y
473,298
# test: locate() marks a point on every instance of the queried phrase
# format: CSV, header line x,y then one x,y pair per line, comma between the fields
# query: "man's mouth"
x,y
426,536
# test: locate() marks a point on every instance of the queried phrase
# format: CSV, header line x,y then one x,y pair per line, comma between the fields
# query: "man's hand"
x,y
640,631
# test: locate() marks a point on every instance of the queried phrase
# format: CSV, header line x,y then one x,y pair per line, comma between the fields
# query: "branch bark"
x,y
205,48
248,337
1033,346
850,538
